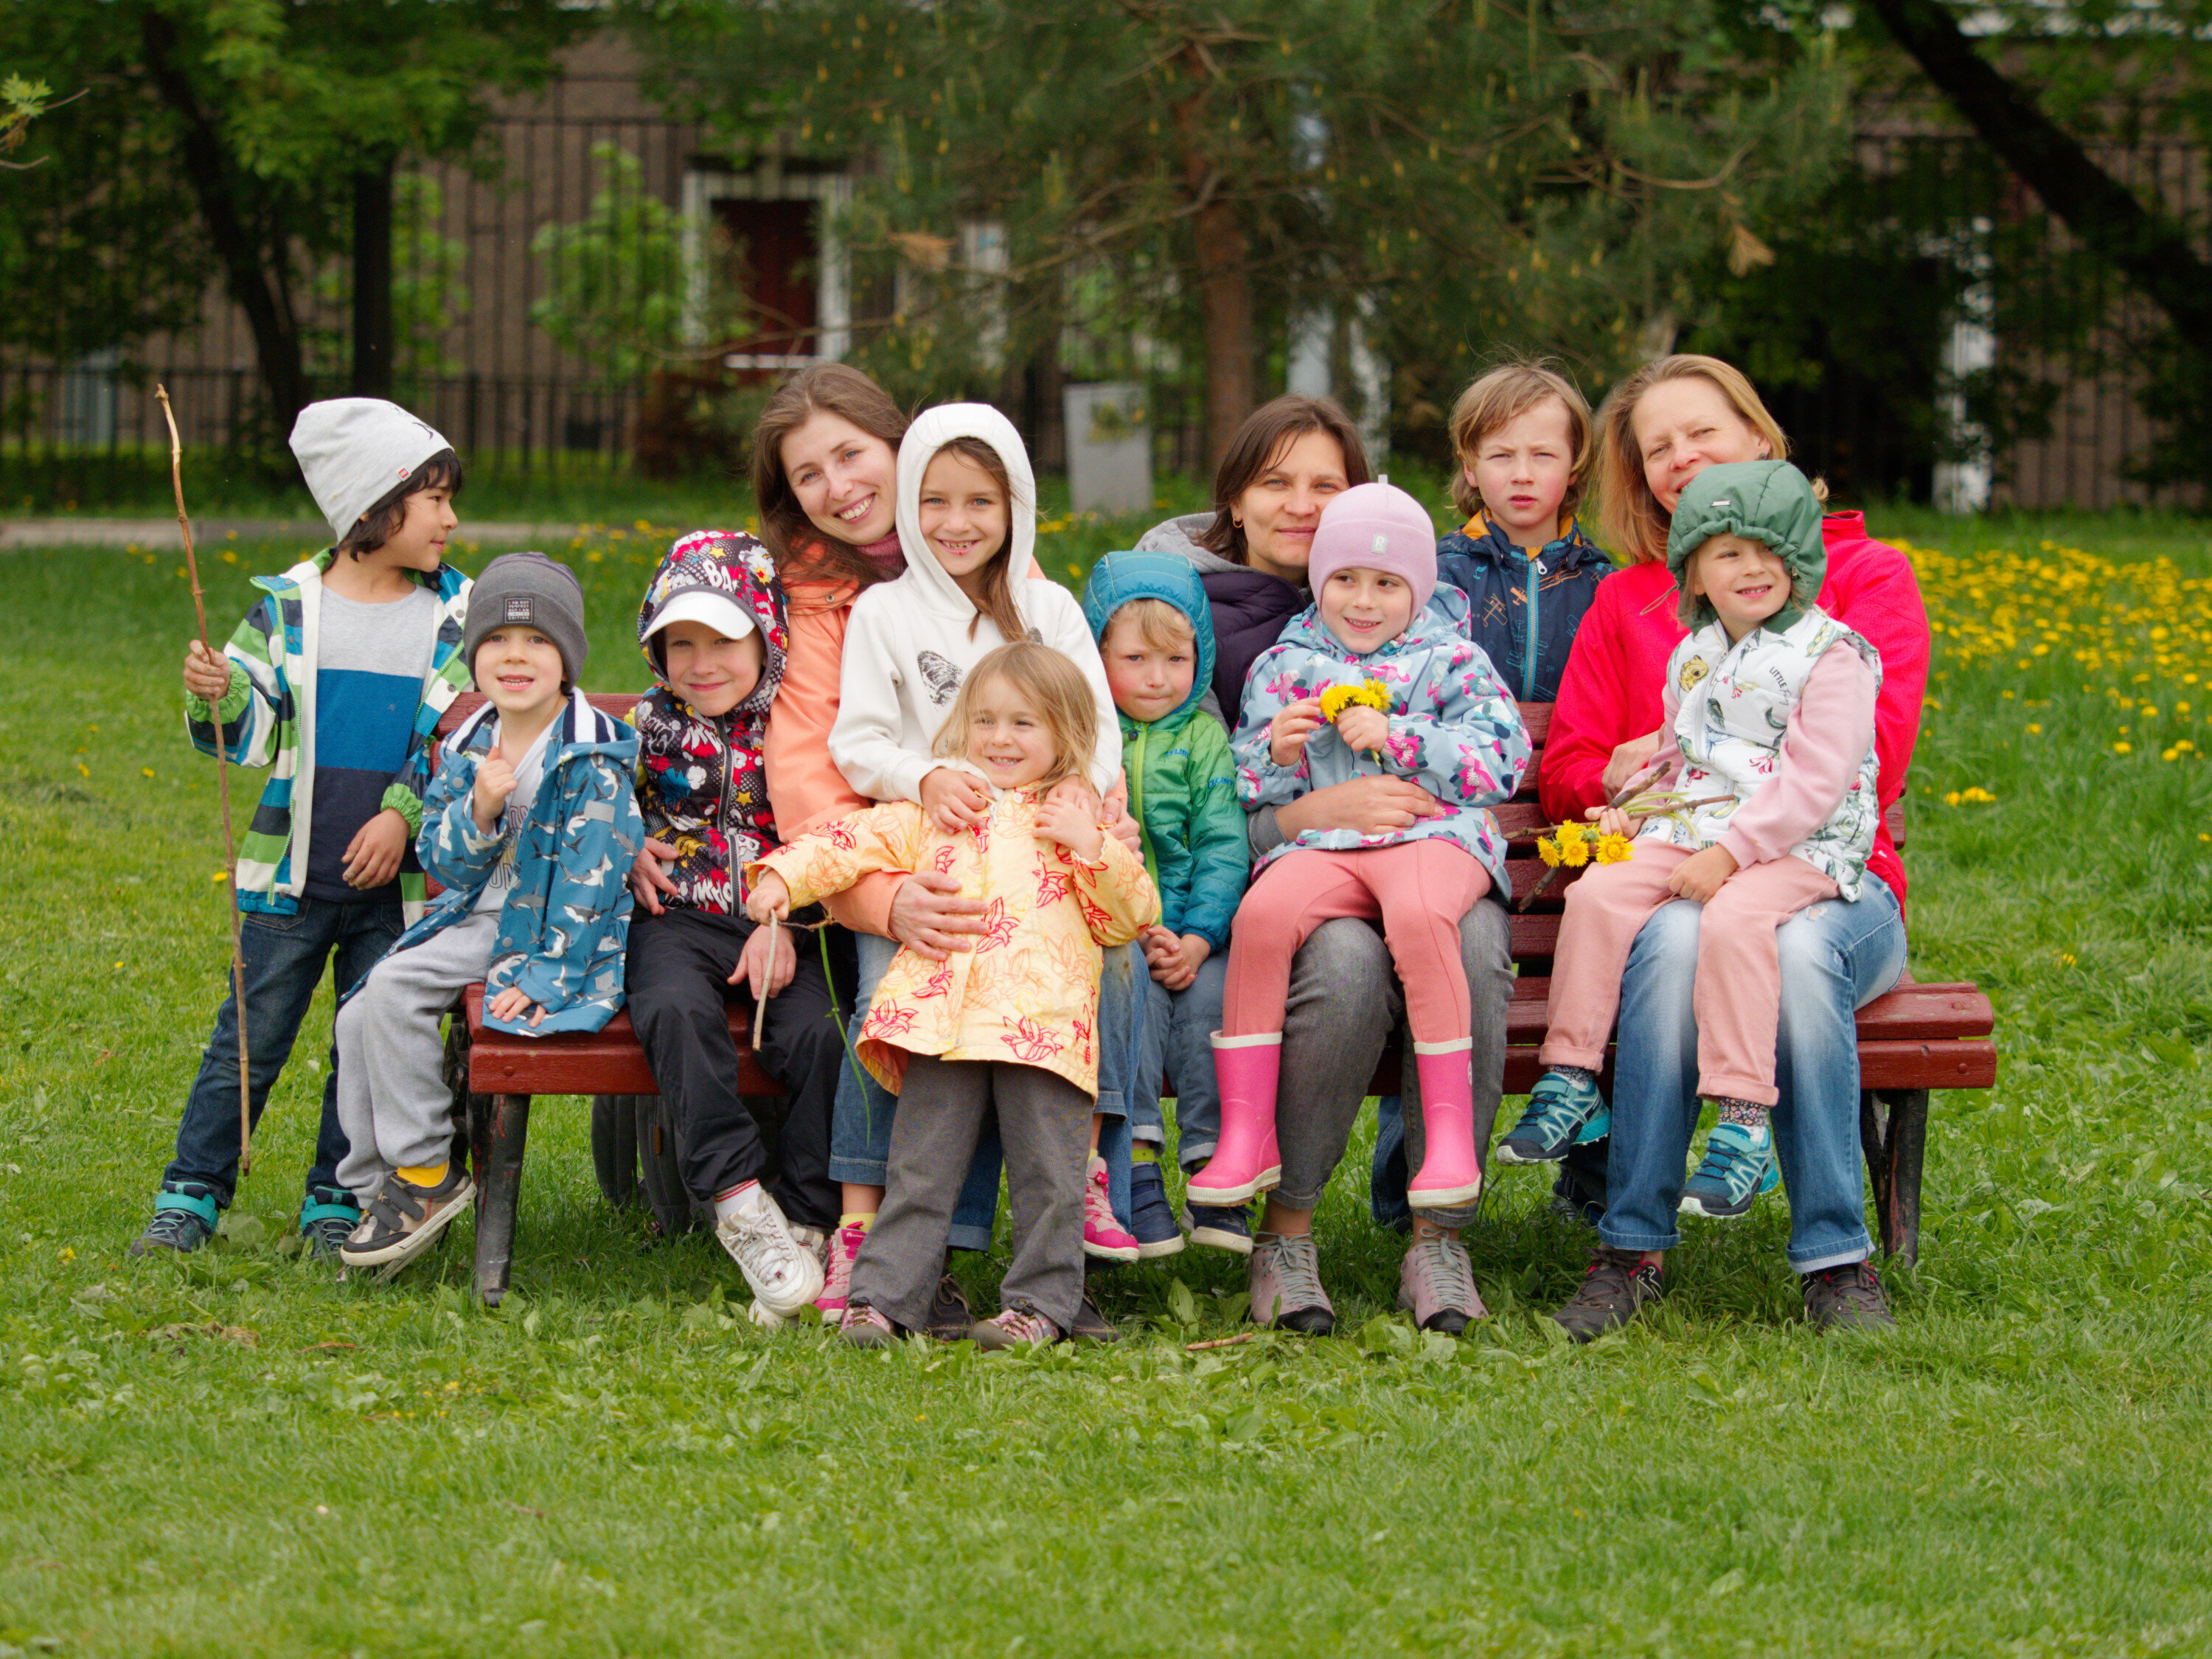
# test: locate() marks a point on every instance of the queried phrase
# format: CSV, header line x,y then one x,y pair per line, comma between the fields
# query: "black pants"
x,y
679,971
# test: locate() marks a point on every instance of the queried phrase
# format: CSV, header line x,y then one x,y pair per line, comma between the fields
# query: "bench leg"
x,y
498,1126
1893,1134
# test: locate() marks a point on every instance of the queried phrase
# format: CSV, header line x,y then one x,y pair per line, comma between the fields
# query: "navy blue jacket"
x,y
1526,608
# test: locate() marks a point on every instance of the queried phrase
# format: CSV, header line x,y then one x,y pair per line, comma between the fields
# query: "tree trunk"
x,y
2151,252
1225,275
372,281
218,188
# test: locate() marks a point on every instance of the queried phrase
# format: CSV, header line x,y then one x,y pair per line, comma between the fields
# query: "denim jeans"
x,y
1132,1111
284,959
1176,1043
1835,958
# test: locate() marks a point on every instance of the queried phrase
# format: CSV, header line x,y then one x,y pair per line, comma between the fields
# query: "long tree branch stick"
x,y
222,794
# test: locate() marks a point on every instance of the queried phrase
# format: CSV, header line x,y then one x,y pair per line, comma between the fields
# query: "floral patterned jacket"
x,y
1028,991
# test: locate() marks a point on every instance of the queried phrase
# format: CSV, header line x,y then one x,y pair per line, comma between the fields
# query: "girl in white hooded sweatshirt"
x,y
967,522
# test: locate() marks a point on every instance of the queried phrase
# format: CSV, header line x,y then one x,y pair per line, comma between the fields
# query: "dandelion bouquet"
x,y
1369,693
1573,845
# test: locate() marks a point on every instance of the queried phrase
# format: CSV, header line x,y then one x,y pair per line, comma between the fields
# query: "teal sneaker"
x,y
1562,1112
1736,1160
327,1219
183,1221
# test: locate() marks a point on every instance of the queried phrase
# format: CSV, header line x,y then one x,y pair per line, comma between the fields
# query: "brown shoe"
x,y
1619,1283
1090,1325
951,1318
1847,1298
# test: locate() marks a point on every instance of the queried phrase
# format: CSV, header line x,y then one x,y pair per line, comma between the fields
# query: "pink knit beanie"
x,y
1376,526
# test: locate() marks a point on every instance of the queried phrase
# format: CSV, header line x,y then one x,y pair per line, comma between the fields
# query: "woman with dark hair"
x,y
1289,459
1663,426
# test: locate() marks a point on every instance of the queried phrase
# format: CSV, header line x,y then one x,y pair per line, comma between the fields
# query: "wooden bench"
x,y
1915,1039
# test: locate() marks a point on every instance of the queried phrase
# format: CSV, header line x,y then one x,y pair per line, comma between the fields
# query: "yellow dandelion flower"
x,y
1572,834
2123,748
1548,850
1370,693
1614,849
1576,853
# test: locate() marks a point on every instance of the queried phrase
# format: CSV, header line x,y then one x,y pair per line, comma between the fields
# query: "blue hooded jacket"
x,y
1527,605
1183,778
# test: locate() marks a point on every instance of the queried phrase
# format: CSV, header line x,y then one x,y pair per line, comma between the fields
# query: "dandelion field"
x,y
235,1455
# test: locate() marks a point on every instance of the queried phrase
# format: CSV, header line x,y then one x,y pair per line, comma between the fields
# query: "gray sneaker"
x,y
1847,1298
1284,1275
1618,1284
1435,1285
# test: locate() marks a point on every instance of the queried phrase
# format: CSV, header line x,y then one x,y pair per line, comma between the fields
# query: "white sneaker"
x,y
785,1276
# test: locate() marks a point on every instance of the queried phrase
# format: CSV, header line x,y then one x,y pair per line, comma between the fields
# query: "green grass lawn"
x,y
235,1455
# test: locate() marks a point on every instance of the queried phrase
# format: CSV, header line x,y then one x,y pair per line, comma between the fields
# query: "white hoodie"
x,y
907,648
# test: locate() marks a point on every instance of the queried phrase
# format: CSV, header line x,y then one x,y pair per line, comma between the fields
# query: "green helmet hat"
x,y
1769,502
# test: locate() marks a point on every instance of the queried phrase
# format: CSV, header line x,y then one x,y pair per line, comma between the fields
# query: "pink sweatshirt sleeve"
x,y
1828,736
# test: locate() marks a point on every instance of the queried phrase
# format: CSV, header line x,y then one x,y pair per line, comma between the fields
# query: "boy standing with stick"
x,y
335,681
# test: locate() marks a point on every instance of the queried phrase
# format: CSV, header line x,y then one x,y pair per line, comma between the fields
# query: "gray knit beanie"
x,y
355,452
529,590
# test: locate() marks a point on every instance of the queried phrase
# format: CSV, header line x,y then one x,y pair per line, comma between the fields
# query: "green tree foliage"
x,y
429,290
615,279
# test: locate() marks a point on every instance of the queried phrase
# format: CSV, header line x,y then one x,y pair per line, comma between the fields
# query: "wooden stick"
x,y
760,991
222,794
1222,1342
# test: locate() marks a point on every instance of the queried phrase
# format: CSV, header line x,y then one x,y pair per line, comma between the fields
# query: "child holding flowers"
x,y
1366,679
1770,704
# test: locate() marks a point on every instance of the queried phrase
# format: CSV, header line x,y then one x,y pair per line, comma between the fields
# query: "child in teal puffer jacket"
x,y
1155,630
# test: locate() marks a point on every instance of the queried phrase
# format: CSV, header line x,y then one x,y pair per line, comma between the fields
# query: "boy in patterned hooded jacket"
x,y
712,626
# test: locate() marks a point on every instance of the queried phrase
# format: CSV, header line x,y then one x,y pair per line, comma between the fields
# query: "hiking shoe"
x,y
783,1275
1435,1285
183,1221
1091,1324
1103,1236
844,1249
1618,1284
864,1328
1727,1179
404,1220
1013,1327
1284,1276
1846,1299
1562,1112
951,1318
1222,1226
1151,1221
326,1221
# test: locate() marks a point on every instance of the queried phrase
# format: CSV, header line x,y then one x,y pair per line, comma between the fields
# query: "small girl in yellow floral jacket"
x,y
1012,1022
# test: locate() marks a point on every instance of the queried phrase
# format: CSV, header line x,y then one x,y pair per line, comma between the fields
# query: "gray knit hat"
x,y
1768,502
529,589
357,451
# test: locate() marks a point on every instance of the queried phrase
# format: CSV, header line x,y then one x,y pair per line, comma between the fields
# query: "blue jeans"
x,y
1835,957
284,957
1128,1105
1176,1043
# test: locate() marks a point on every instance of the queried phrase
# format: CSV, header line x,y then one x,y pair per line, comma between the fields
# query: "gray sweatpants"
x,y
1045,1122
394,1103
1344,1003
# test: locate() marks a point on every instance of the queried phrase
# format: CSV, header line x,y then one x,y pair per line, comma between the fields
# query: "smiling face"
x,y
419,544
711,671
845,480
1745,581
1683,425
1007,737
519,671
963,517
1522,471
1280,509
1148,672
1365,609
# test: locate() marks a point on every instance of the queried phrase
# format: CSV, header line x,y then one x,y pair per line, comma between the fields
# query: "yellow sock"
x,y
429,1175
855,1220
1144,1152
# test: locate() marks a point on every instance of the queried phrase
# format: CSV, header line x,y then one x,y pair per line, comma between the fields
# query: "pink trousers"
x,y
1418,890
1737,996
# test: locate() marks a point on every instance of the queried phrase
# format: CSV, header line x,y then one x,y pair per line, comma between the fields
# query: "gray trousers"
x,y
1345,1002
394,1103
1045,1122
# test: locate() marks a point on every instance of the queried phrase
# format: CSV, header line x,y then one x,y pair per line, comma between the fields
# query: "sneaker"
x,y
1091,1324
1222,1226
403,1220
783,1274
1618,1284
1151,1221
813,1240
1015,1327
864,1328
1727,1180
951,1318
326,1221
1284,1275
1101,1235
1562,1112
183,1221
844,1249
1435,1285
1847,1298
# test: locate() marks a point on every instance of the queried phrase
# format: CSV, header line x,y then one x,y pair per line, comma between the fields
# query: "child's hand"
x,y
954,799
753,970
1175,961
1700,876
372,857
1611,821
1078,791
1291,727
770,900
1073,827
207,673
509,1004
648,880
1363,729
494,783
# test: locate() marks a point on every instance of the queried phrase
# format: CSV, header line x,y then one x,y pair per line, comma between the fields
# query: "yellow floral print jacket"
x,y
1027,990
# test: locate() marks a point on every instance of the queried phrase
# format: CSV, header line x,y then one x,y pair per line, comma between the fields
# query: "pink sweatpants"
x,y
1417,889
1738,994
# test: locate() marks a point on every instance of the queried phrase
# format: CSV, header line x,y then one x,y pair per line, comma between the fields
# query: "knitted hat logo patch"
x,y
1380,544
519,609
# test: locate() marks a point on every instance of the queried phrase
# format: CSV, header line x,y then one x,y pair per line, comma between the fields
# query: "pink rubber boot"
x,y
1451,1170
1245,1162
